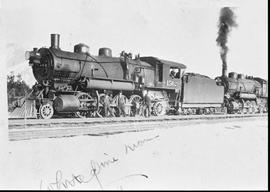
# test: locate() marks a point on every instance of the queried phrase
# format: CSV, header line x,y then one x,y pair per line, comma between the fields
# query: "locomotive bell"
x,y
81,48
107,52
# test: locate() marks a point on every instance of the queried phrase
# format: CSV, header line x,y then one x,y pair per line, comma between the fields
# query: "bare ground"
x,y
217,155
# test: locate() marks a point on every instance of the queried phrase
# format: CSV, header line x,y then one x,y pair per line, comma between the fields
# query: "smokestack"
x,y
55,38
226,22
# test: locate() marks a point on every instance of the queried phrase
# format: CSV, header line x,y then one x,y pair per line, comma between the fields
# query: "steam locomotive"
x,y
244,94
74,84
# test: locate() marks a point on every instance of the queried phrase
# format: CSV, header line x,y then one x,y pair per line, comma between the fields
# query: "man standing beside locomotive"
x,y
147,102
107,105
121,104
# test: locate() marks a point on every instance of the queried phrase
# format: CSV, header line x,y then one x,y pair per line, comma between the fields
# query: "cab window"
x,y
160,73
174,73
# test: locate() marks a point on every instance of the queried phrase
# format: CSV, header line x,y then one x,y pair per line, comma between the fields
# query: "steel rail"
x,y
35,129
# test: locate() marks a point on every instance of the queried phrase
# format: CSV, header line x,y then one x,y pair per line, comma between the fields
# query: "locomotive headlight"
x,y
27,55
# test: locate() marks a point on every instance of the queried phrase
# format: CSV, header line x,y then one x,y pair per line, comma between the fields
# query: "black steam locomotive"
x,y
74,83
244,94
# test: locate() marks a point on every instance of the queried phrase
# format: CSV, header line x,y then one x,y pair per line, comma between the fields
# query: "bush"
x,y
16,89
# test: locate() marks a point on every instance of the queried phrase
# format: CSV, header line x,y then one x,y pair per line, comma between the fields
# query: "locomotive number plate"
x,y
171,83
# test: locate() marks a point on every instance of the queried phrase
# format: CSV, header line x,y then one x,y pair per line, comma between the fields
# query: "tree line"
x,y
16,89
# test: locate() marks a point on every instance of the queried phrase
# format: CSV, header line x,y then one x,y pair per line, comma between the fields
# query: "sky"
x,y
183,31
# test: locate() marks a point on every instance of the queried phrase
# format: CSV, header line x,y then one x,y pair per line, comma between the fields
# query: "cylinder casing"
x,y
66,103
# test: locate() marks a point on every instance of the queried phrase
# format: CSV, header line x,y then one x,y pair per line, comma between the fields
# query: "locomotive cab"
x,y
167,84
167,73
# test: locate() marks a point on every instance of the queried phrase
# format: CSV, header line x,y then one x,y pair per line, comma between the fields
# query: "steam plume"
x,y
226,22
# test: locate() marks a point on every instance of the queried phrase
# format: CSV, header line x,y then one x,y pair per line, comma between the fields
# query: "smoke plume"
x,y
226,22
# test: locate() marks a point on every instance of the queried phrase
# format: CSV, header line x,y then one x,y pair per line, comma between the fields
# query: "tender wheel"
x,y
85,100
46,111
159,109
135,101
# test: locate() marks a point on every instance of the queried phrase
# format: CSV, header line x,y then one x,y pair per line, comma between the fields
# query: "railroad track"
x,y
24,129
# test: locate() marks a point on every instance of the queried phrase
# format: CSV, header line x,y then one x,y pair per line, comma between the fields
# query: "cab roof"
x,y
157,61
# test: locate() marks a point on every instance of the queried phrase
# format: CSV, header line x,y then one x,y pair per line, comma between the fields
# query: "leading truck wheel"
x,y
46,111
